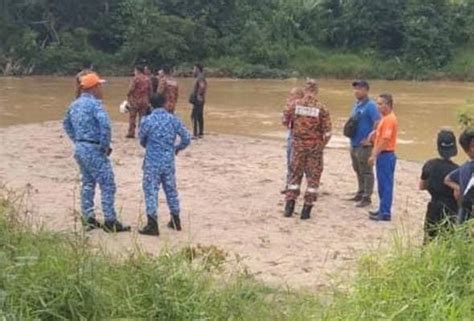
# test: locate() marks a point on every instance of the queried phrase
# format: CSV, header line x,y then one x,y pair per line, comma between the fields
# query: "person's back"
x,y
162,130
139,95
171,93
434,172
311,121
86,115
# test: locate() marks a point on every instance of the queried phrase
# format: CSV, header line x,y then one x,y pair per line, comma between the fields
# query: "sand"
x,y
230,193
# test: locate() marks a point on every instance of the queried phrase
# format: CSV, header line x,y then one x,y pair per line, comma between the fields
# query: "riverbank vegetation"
x,y
47,275
392,39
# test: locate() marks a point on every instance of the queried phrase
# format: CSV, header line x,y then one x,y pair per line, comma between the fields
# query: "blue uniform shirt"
x,y
158,133
368,115
463,175
87,121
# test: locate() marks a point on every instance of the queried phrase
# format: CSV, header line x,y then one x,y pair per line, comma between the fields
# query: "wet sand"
x,y
229,189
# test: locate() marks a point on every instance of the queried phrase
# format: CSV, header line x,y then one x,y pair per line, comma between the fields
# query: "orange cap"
x,y
91,80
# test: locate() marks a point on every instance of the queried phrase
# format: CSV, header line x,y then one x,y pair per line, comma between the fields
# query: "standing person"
x,y
154,79
295,94
197,99
462,179
138,98
88,126
384,156
158,133
366,115
311,132
443,207
168,86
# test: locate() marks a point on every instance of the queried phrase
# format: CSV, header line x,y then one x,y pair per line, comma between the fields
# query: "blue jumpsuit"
x,y
158,133
88,125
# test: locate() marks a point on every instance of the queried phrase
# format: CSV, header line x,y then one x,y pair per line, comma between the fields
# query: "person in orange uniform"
x,y
384,157
168,87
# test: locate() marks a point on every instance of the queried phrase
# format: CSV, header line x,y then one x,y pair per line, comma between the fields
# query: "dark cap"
x,y
447,147
361,83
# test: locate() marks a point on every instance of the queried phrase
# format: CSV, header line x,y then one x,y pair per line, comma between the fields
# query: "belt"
x,y
88,141
387,152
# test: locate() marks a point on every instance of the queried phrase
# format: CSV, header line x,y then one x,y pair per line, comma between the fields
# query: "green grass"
x,y
51,276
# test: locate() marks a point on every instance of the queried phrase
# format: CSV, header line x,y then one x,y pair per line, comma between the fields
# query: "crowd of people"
x,y
152,99
372,129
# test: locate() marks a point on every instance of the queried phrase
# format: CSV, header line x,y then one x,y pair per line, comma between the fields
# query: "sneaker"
x,y
194,138
91,224
364,203
175,223
374,213
380,218
115,227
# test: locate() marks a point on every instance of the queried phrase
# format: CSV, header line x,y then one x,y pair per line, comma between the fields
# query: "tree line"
x,y
341,38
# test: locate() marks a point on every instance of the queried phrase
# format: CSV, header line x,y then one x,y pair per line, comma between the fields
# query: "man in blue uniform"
x,y
158,133
88,126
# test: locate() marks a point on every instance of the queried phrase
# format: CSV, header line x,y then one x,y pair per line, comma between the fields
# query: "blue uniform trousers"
x,y
152,179
95,168
385,166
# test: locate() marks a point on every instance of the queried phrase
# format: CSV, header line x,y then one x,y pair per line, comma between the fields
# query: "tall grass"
x,y
50,276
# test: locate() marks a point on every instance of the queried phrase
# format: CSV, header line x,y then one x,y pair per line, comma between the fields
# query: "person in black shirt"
x,y
443,207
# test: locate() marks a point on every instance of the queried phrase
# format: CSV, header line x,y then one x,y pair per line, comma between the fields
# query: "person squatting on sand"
x,y
158,133
295,94
88,126
311,132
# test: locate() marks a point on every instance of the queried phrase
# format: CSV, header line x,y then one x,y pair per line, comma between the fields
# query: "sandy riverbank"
x,y
229,187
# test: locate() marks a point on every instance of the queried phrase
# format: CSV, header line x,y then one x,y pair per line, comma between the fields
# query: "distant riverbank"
x,y
306,62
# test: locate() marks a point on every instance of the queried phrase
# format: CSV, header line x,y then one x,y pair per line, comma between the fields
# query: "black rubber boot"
x,y
306,212
116,227
151,228
289,208
175,223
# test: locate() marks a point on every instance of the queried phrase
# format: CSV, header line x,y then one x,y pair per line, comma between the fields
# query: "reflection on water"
x,y
253,107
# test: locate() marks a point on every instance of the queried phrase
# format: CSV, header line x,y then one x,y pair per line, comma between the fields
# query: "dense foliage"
x,y
342,38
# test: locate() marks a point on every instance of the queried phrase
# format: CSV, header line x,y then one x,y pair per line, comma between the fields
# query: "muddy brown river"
x,y
253,107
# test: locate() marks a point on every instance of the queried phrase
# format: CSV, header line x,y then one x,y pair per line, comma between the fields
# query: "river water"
x,y
253,107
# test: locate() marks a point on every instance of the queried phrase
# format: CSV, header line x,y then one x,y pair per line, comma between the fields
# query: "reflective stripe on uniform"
x,y
293,187
312,190
307,111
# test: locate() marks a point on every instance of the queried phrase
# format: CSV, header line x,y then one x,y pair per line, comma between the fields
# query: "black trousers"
x,y
197,116
439,218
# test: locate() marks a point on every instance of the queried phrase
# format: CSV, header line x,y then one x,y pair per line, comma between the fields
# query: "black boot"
x,y
115,227
289,208
175,223
306,212
91,224
151,228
